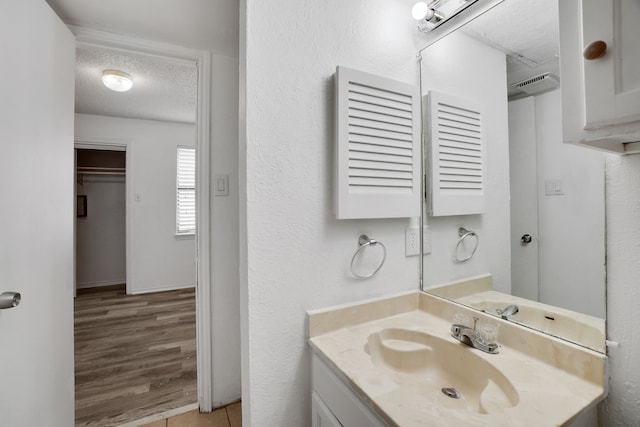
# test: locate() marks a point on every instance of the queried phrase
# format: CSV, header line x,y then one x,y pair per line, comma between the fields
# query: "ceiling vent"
x,y
538,84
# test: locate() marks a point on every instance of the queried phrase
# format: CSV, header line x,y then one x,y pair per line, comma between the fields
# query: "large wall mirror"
x,y
540,260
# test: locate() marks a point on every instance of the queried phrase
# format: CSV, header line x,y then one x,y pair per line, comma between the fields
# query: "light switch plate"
x,y
553,187
221,185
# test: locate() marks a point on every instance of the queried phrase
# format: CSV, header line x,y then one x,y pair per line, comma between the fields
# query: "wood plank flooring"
x,y
135,355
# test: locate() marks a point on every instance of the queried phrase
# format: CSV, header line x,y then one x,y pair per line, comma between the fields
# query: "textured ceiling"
x,y
527,30
163,88
197,24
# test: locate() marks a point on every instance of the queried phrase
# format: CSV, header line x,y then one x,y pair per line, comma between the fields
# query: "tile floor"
x,y
229,416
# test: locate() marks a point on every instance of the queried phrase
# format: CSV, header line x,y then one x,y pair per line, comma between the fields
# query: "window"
x,y
186,191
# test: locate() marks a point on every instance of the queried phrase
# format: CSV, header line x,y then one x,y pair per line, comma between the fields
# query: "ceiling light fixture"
x,y
116,80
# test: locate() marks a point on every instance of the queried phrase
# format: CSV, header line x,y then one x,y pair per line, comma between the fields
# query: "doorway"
x,y
143,276
135,349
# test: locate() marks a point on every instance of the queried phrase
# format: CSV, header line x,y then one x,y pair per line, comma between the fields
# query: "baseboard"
x,y
100,284
162,289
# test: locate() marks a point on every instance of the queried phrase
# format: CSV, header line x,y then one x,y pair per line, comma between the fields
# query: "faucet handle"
x,y
475,322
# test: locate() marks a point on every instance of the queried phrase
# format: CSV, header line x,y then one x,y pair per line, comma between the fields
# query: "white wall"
x,y
623,290
462,66
571,226
100,236
158,259
295,255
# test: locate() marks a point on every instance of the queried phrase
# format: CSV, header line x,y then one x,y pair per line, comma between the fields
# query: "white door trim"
x,y
90,37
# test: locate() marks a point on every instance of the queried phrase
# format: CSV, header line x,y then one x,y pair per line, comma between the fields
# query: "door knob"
x,y
595,50
9,299
526,239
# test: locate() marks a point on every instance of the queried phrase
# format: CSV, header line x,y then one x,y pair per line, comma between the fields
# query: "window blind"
x,y
186,191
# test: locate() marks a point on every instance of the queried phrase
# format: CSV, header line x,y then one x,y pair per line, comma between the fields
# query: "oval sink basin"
x,y
449,374
551,322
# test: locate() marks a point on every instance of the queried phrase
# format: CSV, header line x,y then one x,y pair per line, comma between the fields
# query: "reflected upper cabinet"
x,y
600,73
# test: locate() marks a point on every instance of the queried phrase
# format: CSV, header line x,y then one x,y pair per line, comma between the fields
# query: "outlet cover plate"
x,y
411,241
426,240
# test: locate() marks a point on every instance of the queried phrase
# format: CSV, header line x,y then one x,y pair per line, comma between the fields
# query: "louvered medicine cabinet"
x,y
378,149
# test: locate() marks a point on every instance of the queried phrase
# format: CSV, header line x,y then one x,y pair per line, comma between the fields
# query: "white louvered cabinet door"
x,y
456,160
377,147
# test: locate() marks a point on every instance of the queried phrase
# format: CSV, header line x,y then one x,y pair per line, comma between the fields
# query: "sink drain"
x,y
451,392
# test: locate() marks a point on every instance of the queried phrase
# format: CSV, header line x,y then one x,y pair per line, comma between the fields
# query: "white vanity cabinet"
x,y
601,96
334,404
322,415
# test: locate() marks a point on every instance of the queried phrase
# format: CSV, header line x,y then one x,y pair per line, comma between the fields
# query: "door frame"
x,y
202,59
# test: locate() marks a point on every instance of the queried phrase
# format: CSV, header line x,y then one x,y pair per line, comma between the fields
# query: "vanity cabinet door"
x,y
341,405
612,81
600,86
321,415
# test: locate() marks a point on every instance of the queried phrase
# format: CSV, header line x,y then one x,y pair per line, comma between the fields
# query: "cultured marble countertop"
x,y
555,380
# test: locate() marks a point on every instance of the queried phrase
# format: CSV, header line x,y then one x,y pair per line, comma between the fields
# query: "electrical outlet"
x,y
426,240
411,241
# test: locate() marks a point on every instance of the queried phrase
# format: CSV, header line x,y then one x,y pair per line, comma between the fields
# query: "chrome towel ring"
x,y
464,233
364,241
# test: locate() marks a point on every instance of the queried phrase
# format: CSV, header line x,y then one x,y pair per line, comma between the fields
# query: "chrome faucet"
x,y
472,337
509,310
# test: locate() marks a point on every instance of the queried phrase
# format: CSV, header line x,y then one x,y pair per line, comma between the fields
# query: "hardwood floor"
x,y
135,355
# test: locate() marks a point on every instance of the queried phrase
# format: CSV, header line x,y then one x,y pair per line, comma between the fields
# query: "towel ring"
x,y
464,233
364,241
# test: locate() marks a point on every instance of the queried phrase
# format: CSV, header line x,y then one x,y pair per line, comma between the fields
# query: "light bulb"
x,y
420,11
117,81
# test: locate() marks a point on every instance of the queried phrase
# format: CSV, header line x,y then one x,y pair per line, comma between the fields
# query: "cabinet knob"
x,y
595,50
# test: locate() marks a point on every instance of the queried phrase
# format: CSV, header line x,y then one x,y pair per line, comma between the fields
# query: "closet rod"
x,y
100,171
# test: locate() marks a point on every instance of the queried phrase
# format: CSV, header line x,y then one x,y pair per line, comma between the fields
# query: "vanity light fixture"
x,y
422,12
431,15
116,80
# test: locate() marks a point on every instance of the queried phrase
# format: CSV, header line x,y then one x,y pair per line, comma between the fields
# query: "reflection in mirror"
x,y
541,257
437,18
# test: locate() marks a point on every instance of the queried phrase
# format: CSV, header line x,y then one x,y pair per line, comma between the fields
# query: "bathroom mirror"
x,y
540,236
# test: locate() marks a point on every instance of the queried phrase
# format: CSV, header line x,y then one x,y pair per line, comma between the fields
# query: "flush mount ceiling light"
x,y
116,80
433,14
